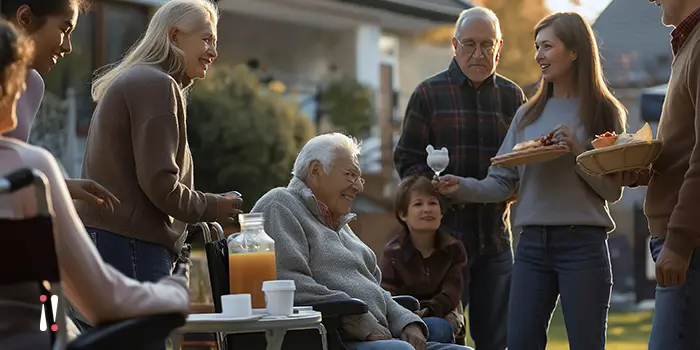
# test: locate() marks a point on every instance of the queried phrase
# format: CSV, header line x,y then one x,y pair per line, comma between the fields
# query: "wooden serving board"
x,y
530,156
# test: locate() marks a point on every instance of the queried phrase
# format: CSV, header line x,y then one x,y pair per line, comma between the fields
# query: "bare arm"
x,y
100,292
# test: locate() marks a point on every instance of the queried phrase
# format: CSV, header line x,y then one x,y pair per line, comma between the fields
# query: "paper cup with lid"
x,y
279,297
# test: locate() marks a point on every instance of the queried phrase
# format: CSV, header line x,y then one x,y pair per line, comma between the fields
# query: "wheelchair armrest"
x,y
131,333
340,307
408,302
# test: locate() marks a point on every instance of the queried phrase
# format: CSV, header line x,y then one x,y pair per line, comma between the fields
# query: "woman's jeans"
x,y
439,330
677,308
140,260
568,261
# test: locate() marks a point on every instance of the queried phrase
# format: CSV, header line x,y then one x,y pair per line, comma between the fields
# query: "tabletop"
x,y
204,323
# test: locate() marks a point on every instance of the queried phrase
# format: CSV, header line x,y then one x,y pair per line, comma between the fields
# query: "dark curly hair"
x,y
15,53
41,8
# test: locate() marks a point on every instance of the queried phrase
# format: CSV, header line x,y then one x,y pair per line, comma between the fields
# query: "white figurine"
x,y
438,159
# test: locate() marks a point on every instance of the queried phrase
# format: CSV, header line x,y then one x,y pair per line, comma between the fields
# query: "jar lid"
x,y
278,285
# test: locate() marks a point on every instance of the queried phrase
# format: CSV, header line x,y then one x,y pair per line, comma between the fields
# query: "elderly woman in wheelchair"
x,y
317,249
99,291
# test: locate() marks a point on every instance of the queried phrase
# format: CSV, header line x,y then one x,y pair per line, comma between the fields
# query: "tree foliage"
x,y
349,105
243,137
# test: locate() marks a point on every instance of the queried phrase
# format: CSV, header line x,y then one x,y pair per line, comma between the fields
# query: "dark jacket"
x,y
436,281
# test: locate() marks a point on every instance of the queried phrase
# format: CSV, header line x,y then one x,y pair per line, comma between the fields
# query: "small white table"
x,y
274,327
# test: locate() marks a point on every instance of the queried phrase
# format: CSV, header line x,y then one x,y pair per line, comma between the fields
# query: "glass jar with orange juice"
x,y
251,258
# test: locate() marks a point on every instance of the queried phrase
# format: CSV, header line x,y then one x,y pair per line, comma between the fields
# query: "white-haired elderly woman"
x,y
317,249
137,144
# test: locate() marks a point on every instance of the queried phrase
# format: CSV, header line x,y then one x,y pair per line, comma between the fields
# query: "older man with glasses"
x,y
468,108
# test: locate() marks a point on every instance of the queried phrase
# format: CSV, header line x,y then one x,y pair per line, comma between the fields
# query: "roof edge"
x,y
434,13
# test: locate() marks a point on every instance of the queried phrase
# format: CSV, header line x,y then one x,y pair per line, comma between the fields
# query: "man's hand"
x,y
379,333
91,192
421,313
447,185
413,334
671,268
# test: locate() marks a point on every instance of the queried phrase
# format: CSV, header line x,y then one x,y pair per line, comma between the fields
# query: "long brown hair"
x,y
599,110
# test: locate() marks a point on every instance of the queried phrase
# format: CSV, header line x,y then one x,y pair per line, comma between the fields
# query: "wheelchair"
x,y
31,258
216,251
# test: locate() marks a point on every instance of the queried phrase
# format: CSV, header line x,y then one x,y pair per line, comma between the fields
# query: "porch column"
x,y
367,55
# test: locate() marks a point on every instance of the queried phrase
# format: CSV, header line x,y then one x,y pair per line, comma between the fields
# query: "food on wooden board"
x,y
547,140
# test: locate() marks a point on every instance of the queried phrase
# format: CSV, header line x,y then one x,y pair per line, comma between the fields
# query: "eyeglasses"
x,y
487,47
354,178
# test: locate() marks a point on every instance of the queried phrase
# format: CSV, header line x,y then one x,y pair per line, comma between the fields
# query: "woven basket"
x,y
529,156
630,156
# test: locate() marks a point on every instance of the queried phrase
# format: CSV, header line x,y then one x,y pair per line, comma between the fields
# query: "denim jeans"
x,y
486,298
439,330
396,344
140,260
570,262
677,312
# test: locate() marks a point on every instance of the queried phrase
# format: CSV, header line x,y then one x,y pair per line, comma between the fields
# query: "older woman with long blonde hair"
x,y
137,144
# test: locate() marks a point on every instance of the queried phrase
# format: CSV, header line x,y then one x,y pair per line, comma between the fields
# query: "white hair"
x,y
323,148
478,12
155,47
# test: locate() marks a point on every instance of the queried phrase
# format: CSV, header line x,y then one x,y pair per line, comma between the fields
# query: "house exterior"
x,y
637,59
301,43
634,44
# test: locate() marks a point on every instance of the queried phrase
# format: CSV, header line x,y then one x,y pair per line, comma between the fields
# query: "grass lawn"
x,y
626,331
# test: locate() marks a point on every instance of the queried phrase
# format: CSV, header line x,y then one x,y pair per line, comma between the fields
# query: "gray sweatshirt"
x,y
552,193
328,264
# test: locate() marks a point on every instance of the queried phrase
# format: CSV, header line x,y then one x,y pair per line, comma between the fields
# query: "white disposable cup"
x,y
236,305
279,297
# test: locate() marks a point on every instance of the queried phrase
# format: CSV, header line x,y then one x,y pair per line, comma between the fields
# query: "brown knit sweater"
x,y
137,148
671,204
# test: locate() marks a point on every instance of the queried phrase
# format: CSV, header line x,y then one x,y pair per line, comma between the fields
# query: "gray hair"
x,y
323,148
478,12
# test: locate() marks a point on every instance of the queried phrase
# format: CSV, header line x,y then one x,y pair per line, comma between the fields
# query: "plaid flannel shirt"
x,y
681,33
446,110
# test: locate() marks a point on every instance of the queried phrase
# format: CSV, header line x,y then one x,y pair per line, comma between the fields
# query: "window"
x,y
102,36
123,25
75,70
651,105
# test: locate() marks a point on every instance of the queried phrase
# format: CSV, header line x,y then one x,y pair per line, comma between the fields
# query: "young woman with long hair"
x,y
561,211
49,24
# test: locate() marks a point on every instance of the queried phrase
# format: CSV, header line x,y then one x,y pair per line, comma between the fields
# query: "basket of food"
x,y
613,153
541,149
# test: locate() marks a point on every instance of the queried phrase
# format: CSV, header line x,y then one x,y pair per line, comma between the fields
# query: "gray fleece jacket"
x,y
326,263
